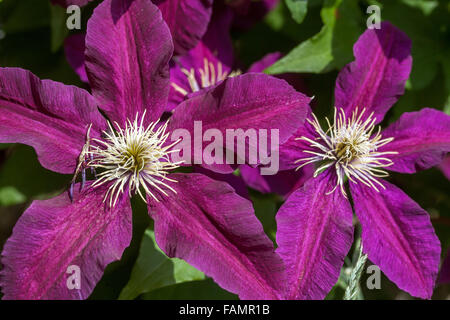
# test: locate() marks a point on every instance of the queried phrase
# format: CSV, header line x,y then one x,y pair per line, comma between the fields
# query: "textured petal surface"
x,y
422,139
314,235
378,75
294,148
397,235
128,47
216,231
199,62
47,115
74,50
187,20
54,234
250,101
236,182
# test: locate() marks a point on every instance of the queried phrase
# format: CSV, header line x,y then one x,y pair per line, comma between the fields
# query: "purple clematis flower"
x,y
128,48
209,63
187,21
315,229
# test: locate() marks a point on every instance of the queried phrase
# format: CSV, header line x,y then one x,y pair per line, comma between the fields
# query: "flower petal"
x,y
250,101
422,139
47,115
217,38
265,62
53,235
216,231
74,50
187,21
234,181
196,61
128,47
378,75
397,235
445,167
314,235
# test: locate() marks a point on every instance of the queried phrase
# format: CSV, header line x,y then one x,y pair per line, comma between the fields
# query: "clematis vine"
x,y
128,48
315,228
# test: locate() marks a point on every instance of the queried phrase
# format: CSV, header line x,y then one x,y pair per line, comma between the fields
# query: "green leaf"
x,y
58,26
10,196
331,47
194,290
298,9
425,35
25,15
154,270
22,171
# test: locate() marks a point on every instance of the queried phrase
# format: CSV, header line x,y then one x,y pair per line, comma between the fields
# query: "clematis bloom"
x,y
315,228
128,48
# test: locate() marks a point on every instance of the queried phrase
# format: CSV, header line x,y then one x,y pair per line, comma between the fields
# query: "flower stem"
x,y
353,290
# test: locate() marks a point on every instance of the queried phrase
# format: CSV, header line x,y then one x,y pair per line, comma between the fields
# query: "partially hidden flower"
x,y
315,230
128,48
213,61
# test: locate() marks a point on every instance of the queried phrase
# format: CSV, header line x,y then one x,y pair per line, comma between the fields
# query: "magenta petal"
x,y
397,235
216,231
249,101
314,235
234,181
187,21
47,115
193,61
294,148
74,50
445,167
128,47
377,77
265,62
422,139
217,38
54,234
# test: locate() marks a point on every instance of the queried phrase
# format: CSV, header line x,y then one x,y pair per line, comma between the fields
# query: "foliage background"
x,y
317,37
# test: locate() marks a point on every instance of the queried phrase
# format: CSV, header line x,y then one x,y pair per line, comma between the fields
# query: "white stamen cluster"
x,y
351,147
134,157
209,76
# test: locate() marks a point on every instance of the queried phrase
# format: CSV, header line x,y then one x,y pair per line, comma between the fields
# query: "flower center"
x,y
209,76
349,146
133,158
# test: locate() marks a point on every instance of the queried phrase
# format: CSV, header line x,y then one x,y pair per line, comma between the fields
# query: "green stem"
x,y
353,290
